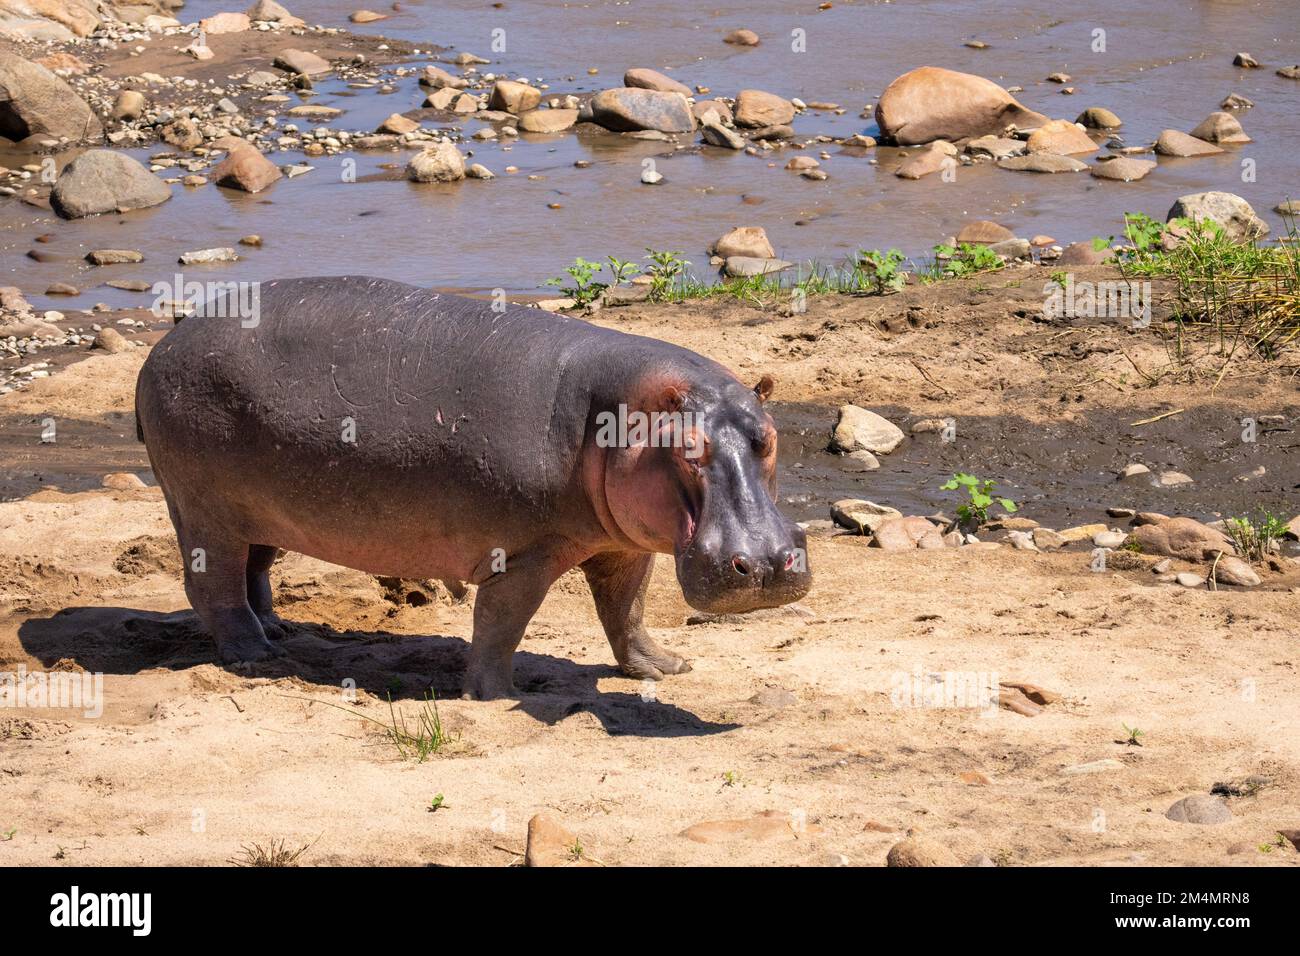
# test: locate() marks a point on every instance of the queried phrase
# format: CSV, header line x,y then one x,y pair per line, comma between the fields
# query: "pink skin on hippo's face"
x,y
704,491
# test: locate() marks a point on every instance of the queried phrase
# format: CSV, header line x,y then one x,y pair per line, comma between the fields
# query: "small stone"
x,y
1173,479
741,38
918,851
1200,808
111,341
858,428
549,843
1189,580
1236,572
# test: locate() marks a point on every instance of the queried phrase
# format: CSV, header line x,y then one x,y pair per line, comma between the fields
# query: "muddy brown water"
x,y
1059,473
1166,63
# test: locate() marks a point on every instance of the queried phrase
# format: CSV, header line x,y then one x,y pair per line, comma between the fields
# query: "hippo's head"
x,y
702,487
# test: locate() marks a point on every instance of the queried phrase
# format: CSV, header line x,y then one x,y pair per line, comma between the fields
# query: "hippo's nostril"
x,y
741,565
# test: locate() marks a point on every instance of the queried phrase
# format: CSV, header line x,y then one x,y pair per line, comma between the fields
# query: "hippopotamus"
x,y
414,434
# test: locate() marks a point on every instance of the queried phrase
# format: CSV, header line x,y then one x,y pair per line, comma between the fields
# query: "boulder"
x,y
35,102
514,97
245,168
100,181
547,121
983,232
269,11
918,851
1174,143
225,23
929,160
701,108
741,38
1084,253
549,843
643,79
996,147
716,134
1221,127
1184,538
931,103
756,109
627,109
744,241
440,163
907,534
1235,571
857,514
1202,808
436,78
128,105
1098,117
397,124
301,61
1230,211
1123,169
1043,163
1061,138
748,266
860,429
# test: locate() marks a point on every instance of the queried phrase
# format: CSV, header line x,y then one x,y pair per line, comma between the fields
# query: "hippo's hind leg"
x,y
618,581
216,582
258,579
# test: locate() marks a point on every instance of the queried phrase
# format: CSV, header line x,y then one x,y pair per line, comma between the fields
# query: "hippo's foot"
x,y
275,627
645,659
482,685
247,650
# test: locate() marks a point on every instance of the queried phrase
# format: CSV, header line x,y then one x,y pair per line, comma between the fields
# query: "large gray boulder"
x,y
100,181
35,102
1228,210
627,109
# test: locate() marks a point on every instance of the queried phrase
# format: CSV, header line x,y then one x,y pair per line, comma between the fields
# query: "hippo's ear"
x,y
764,388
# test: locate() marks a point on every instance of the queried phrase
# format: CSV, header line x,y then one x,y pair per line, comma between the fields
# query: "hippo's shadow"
x,y
114,640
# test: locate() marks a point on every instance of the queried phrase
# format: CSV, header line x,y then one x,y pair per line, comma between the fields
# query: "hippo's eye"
x,y
765,445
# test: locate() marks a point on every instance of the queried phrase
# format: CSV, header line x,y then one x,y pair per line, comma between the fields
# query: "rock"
x,y
1123,169
1245,60
220,23
1083,532
744,241
644,79
1173,143
701,109
918,851
716,134
1228,210
741,38
906,534
269,11
1014,700
1084,254
983,232
996,147
514,97
479,171
1289,207
108,257
802,162
549,843
440,163
1290,72
1235,571
367,16
1022,540
1109,539
774,698
300,61
1221,128
1098,117
747,266
109,340
762,827
315,111
1096,766
857,514
200,51
436,78
628,109
1173,479
547,121
932,159
1134,470
128,105
200,257
1184,538
183,134
62,288
1062,138
1200,808
1038,695
100,180
35,102
1043,163
1162,566
1011,248
930,103
245,168
1189,580
756,109
1235,101
121,480
1048,540
399,124
857,428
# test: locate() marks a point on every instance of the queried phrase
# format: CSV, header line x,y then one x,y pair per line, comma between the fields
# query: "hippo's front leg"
x,y
503,606
618,581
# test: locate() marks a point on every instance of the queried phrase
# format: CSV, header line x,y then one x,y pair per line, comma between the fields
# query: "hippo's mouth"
x,y
690,520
